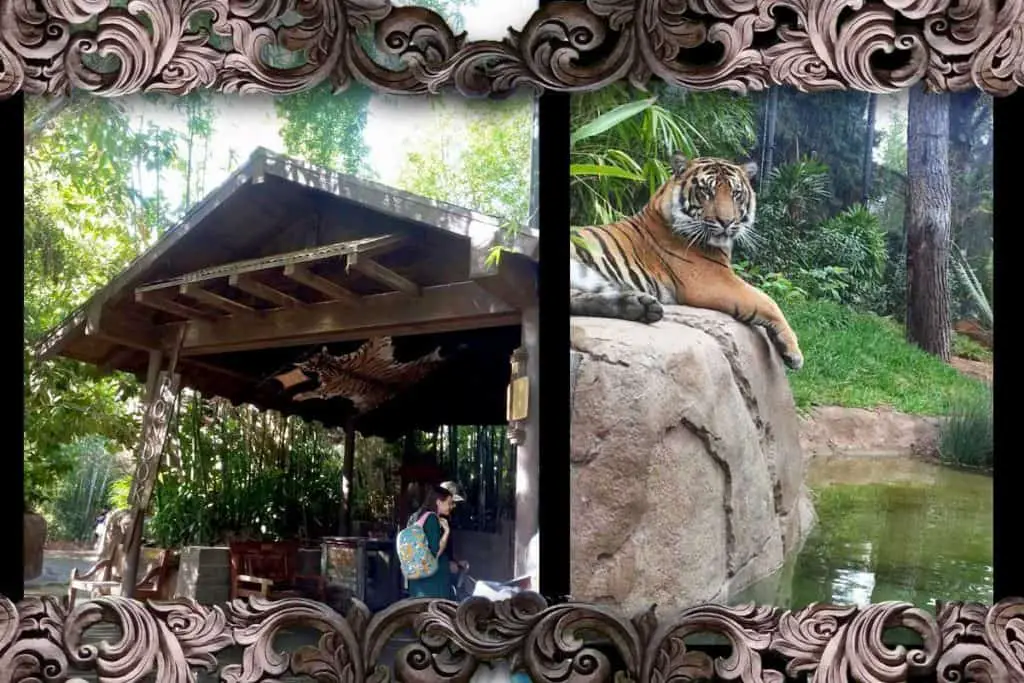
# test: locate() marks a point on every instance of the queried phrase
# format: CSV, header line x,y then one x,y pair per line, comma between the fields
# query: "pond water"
x,y
889,529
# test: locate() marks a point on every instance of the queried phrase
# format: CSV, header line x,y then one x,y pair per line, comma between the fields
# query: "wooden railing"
x,y
420,640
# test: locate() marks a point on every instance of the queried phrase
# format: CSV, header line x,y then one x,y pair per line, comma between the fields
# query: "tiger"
x,y
677,250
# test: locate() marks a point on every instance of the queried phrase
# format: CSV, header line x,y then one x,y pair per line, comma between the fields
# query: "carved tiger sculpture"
x,y
678,250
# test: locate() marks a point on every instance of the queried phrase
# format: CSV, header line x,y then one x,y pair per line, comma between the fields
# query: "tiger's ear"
x,y
751,168
678,163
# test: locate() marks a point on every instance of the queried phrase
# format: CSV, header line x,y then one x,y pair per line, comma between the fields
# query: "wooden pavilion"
x,y
339,300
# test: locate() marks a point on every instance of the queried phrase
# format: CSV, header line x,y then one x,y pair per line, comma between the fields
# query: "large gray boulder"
x,y
687,478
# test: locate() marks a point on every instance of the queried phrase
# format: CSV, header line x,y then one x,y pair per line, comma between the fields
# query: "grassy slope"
x,y
863,361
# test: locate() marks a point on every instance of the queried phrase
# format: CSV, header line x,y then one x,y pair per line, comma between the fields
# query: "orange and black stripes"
x,y
613,253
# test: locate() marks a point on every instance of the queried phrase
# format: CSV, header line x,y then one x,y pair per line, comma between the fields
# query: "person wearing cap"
x,y
458,567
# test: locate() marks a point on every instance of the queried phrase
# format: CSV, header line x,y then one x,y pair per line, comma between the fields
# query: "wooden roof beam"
x,y
209,298
375,271
165,304
368,245
442,308
304,276
248,284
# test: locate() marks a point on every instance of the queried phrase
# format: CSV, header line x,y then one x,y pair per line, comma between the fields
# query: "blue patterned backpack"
x,y
414,556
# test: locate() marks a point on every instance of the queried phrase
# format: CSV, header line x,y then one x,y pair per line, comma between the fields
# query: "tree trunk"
x,y
869,150
927,219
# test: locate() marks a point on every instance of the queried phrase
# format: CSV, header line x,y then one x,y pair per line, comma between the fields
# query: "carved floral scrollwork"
x,y
284,46
42,641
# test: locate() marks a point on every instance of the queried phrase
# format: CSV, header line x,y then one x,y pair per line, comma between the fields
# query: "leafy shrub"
x,y
965,347
853,241
787,207
776,285
829,283
840,259
966,437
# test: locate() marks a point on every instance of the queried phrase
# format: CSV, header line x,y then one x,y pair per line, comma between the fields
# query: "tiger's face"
x,y
710,202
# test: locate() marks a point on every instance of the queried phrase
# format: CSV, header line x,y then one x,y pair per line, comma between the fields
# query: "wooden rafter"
x,y
369,245
375,271
441,308
209,298
304,276
163,303
246,283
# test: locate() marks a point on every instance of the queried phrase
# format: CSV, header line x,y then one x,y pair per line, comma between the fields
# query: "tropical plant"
x,y
622,140
786,209
965,274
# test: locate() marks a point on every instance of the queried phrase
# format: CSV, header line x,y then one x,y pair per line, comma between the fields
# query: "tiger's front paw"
x,y
794,360
643,307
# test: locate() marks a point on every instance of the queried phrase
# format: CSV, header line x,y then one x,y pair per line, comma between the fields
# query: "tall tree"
x,y
82,225
928,222
326,129
483,166
833,127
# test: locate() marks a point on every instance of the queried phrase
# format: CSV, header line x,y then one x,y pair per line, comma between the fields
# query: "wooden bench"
x,y
104,578
270,570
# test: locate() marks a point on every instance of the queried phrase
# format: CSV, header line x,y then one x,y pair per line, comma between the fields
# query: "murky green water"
x,y
889,529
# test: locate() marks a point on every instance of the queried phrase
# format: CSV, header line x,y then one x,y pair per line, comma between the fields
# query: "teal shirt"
x,y
440,584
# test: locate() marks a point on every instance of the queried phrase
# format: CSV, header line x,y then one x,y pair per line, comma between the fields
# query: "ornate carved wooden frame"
x,y
813,45
567,45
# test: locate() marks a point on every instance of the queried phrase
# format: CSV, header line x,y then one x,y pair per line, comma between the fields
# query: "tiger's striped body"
x,y
678,250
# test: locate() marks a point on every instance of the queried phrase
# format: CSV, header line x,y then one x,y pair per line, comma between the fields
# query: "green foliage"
x,y
117,498
622,142
487,167
235,470
774,284
787,208
861,360
840,259
828,283
966,437
853,241
81,495
832,128
889,195
794,194
965,347
326,129
84,221
969,281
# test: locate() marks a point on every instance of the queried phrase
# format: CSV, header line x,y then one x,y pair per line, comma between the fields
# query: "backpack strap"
x,y
423,518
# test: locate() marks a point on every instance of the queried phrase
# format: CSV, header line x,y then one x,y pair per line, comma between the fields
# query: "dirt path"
x,y
974,369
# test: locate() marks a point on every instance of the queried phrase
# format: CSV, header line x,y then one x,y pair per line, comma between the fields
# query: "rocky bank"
x,y
686,467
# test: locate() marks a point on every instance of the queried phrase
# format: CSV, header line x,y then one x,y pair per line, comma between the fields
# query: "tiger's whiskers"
x,y
749,237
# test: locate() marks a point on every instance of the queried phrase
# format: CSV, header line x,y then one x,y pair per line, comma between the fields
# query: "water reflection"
x,y
889,529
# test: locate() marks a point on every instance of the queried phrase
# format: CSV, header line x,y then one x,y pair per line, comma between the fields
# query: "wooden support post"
x,y
347,472
133,539
525,434
161,397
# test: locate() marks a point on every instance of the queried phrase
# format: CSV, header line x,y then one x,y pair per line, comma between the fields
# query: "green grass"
x,y
965,347
967,438
860,360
